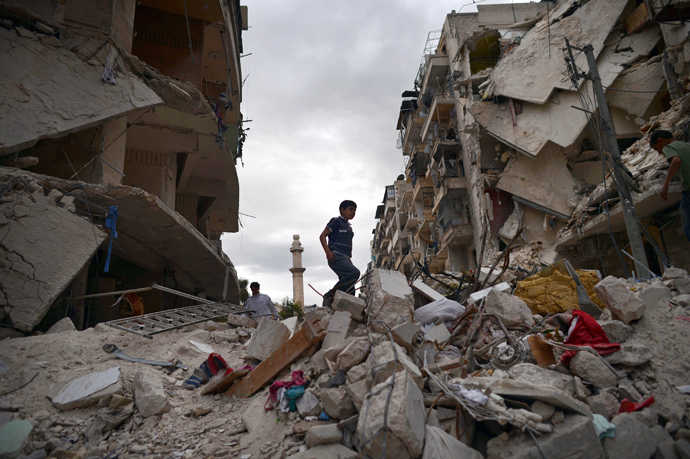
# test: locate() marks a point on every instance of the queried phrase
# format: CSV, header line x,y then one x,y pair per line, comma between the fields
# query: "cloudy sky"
x,y
323,91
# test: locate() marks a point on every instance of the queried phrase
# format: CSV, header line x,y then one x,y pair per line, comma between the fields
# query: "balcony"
x,y
437,67
439,112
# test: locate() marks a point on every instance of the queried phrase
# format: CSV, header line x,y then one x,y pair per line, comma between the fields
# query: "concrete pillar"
x,y
297,271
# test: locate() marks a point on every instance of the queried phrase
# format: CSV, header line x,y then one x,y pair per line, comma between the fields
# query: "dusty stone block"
x,y
406,419
616,294
616,331
323,435
353,354
682,448
270,335
439,333
543,409
404,334
337,329
632,440
349,303
357,373
226,337
438,443
89,389
682,285
337,403
655,295
674,273
509,308
149,395
605,404
590,368
574,437
543,376
61,326
390,301
358,391
547,394
308,404
241,321
631,355
382,363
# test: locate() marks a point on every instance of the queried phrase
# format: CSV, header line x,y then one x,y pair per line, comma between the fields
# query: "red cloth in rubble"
x,y
297,380
628,407
588,332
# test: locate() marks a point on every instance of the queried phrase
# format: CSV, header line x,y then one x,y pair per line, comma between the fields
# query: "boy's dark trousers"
x,y
347,273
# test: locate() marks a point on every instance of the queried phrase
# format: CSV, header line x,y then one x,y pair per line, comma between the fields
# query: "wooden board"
x,y
310,333
219,383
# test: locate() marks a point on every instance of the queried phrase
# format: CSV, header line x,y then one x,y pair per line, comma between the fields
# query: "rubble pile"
x,y
375,377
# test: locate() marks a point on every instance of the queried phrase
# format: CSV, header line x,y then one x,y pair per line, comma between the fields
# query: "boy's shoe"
x,y
327,302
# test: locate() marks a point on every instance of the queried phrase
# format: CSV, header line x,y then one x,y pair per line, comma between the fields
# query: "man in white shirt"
x,y
260,304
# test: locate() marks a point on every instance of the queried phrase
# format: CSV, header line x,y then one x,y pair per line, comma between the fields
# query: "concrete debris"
x,y
89,389
241,321
402,430
631,440
390,301
270,335
149,396
382,389
438,311
349,303
624,304
61,326
337,329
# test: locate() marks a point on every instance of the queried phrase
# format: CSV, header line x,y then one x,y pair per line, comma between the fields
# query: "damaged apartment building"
x,y
120,137
500,145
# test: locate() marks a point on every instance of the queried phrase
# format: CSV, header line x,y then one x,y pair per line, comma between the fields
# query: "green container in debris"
x,y
13,435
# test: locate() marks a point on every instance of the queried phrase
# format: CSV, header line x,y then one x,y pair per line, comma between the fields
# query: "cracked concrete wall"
x,y
44,246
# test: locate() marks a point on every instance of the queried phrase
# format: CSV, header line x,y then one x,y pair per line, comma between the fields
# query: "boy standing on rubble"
x,y
678,155
339,251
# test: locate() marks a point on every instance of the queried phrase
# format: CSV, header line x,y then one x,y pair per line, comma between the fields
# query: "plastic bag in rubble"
x,y
439,311
440,445
118,409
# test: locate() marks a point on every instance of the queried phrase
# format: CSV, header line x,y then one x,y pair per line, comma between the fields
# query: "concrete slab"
x,y
529,393
350,303
88,389
426,291
269,336
337,329
390,299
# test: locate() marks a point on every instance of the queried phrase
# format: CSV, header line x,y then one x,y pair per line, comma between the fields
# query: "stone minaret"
x,y
297,271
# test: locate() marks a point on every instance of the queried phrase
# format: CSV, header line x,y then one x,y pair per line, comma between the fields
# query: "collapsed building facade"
x,y
120,137
498,140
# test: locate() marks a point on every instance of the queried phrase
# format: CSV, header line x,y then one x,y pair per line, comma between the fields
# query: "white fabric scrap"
x,y
473,396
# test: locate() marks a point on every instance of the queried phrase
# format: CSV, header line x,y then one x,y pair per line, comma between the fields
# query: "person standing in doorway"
x,y
260,304
336,240
678,155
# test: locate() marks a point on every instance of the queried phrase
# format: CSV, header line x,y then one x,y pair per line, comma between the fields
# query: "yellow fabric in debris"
x,y
553,291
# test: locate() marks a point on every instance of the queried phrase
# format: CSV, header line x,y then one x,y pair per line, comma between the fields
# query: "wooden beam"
x,y
310,334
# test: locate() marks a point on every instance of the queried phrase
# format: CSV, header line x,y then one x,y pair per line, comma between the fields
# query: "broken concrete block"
x,y
528,372
529,392
404,436
631,355
292,323
337,329
318,361
241,321
269,336
390,299
349,303
13,436
337,403
439,334
626,389
574,437
590,368
632,440
616,294
476,296
616,331
87,390
682,285
404,334
543,409
674,273
655,295
61,326
358,391
226,337
323,435
682,448
604,403
308,404
382,363
326,451
353,354
357,373
509,308
149,396
438,444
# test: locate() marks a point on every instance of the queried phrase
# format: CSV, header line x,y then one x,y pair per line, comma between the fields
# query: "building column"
x,y
297,271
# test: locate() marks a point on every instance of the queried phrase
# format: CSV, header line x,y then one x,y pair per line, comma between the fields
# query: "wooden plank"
x,y
219,383
311,333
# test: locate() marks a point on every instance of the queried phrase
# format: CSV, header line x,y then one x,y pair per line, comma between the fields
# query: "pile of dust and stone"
x,y
387,380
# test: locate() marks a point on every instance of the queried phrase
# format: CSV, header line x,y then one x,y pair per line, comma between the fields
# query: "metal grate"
x,y
172,319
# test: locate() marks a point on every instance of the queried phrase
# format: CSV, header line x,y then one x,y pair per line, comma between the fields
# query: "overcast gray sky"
x,y
323,91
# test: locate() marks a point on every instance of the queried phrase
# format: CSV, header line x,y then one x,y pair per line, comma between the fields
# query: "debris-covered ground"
x,y
374,378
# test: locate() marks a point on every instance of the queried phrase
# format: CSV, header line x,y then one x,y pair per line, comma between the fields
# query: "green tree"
x,y
244,292
291,309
